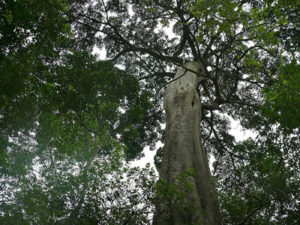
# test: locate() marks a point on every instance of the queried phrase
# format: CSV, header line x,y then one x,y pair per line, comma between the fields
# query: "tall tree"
x,y
240,46
183,152
68,113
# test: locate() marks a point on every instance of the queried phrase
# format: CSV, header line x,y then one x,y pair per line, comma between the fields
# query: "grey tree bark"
x,y
183,152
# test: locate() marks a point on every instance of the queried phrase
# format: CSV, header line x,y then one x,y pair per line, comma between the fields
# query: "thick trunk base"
x,y
183,152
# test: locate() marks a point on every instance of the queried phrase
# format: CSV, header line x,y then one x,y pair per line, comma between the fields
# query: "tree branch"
x,y
213,106
253,212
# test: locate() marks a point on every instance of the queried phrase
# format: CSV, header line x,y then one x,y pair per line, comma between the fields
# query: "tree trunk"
x,y
183,152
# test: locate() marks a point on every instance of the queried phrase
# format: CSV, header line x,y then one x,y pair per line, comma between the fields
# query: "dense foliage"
x,y
68,121
64,140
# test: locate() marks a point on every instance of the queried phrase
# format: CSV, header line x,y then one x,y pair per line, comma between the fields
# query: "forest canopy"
x,y
70,122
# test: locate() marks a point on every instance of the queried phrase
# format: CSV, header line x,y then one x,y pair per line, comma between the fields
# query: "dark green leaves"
x,y
283,98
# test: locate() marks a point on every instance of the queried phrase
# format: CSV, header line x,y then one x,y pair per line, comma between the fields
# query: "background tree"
x,y
68,168
68,122
32,35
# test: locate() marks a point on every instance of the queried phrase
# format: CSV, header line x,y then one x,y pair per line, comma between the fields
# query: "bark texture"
x,y
183,152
